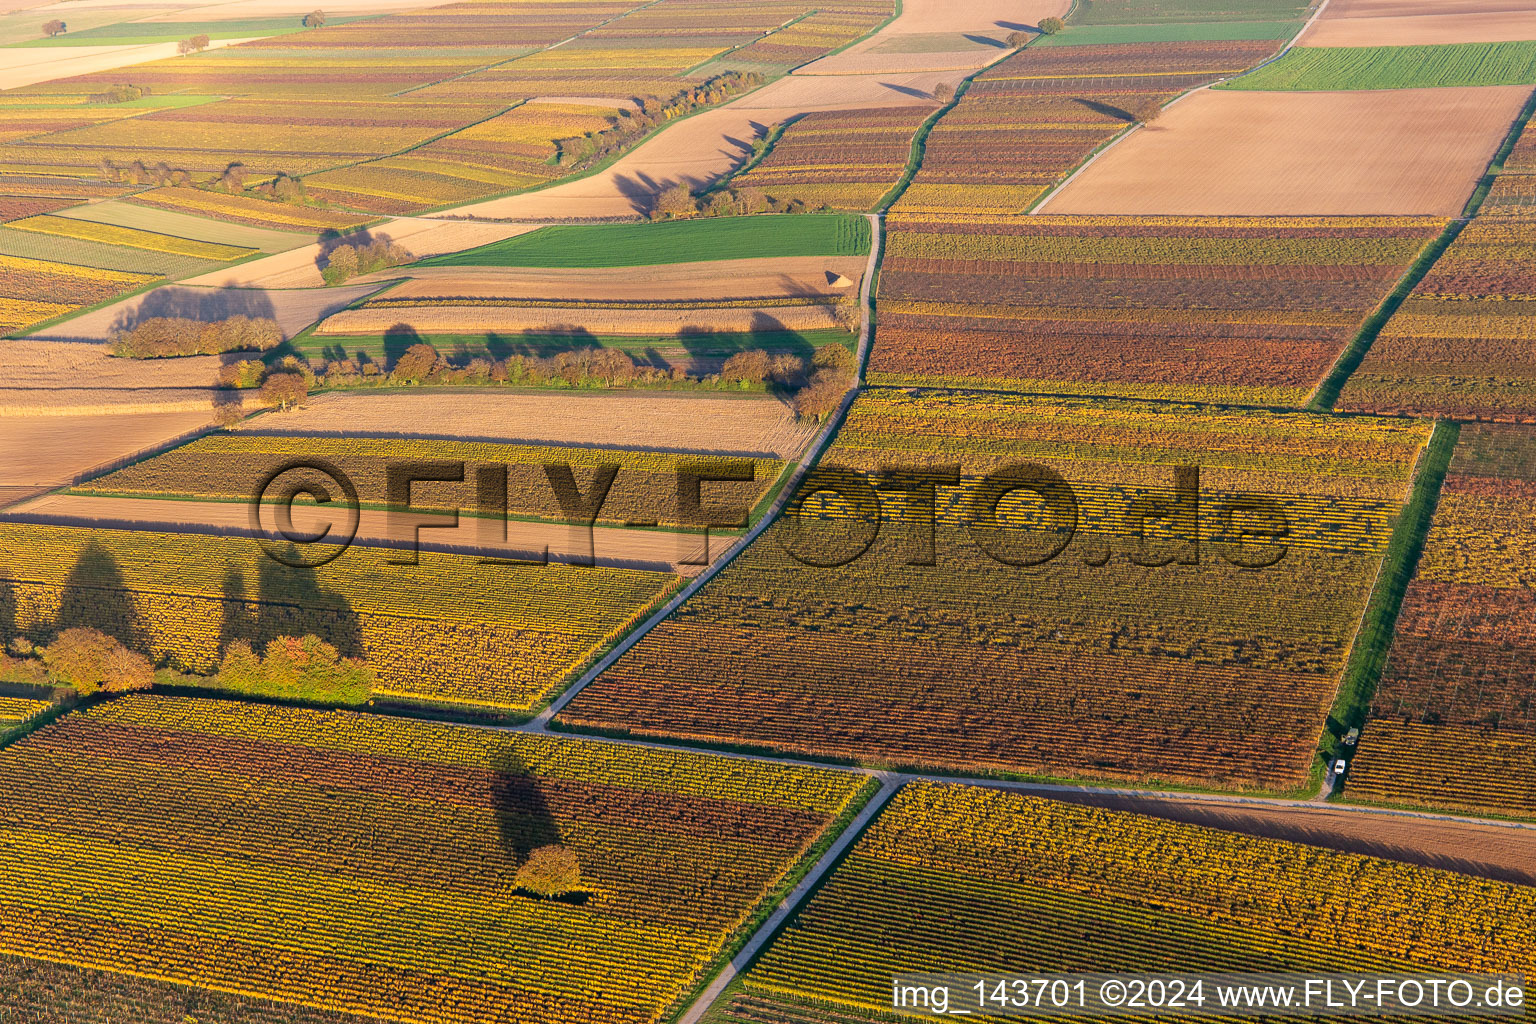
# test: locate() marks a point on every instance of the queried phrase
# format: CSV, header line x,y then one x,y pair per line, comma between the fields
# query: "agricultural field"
x,y
706,424
1452,723
1325,68
997,883
1463,345
33,291
1246,310
182,597
1396,152
1421,22
1178,12
926,650
231,467
1025,124
378,863
688,241
846,160
420,109
242,209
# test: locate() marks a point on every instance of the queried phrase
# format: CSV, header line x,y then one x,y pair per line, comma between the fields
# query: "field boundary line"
x,y
769,930
813,454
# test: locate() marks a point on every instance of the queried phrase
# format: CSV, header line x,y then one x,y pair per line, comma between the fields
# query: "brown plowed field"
x,y
1394,152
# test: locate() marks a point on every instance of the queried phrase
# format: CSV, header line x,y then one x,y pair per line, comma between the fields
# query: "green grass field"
x,y
1216,31
384,348
1158,12
144,32
683,241
1336,68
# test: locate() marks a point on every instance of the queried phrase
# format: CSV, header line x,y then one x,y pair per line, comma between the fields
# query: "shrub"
x,y
346,261
91,662
750,367
835,357
119,94
162,336
305,668
549,872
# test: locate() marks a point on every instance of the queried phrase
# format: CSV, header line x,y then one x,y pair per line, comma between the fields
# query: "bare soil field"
x,y
428,319
706,424
939,35
29,65
726,279
1487,851
1425,30
655,549
294,309
1393,152
53,450
67,378
300,268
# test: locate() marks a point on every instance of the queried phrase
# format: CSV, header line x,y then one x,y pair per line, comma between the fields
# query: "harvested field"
x,y
723,279
936,35
30,65
293,308
750,424
1395,152
66,378
1486,851
593,319
655,550
54,450
299,268
1426,23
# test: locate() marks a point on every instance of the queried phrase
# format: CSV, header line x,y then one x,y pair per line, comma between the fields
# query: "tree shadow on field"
x,y
95,596
397,339
201,304
641,190
986,41
524,820
291,602
1107,109
236,619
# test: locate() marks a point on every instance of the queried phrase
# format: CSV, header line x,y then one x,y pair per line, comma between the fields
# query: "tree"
x,y
92,662
550,871
415,364
233,178
228,414
54,28
314,19
821,396
749,367
676,201
1051,26
340,265
1018,40
284,390
836,358
943,92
